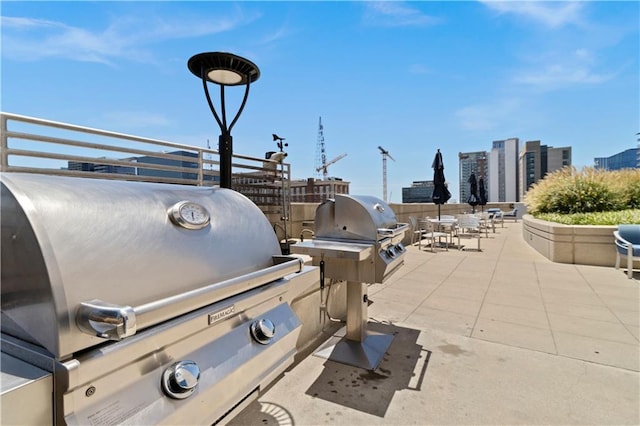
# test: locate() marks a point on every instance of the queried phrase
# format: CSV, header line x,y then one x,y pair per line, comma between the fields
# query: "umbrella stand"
x,y
473,200
482,195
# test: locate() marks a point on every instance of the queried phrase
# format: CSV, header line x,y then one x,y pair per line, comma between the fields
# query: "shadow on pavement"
x,y
403,366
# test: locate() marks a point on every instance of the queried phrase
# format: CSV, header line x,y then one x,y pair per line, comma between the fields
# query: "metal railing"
x,y
34,145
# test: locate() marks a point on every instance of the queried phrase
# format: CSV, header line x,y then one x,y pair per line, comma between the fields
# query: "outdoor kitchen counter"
x,y
337,249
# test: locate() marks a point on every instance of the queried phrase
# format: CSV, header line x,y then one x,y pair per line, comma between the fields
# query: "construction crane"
x,y
324,166
321,157
385,154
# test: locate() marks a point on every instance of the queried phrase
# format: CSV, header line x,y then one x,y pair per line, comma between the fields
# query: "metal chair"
x,y
416,231
468,226
513,214
627,239
431,234
486,223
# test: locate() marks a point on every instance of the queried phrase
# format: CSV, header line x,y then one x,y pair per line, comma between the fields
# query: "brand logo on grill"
x,y
221,314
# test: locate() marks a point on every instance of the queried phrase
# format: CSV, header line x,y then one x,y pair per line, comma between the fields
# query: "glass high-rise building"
x,y
628,159
421,191
472,162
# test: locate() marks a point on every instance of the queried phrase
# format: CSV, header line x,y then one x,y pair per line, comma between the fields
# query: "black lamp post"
x,y
224,69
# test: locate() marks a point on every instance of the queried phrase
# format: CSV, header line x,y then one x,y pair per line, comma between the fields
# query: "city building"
x,y
472,162
627,159
100,168
503,171
420,191
316,190
536,160
171,165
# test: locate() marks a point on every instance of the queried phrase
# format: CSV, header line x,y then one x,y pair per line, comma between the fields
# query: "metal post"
x,y
225,142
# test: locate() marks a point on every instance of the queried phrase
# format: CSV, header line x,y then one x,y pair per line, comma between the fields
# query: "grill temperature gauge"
x,y
189,215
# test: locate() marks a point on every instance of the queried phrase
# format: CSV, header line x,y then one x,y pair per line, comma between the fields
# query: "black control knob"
x,y
263,331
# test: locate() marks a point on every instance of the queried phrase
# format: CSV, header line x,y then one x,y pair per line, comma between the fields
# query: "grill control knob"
x,y
181,379
263,331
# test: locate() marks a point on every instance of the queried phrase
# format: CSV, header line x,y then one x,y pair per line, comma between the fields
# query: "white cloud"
x,y
127,37
278,34
418,69
556,75
577,67
486,117
396,14
551,14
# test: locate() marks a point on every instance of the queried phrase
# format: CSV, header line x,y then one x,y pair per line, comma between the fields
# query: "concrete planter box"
x,y
578,244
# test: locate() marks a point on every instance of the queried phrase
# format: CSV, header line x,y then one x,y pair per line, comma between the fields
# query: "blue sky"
x,y
411,77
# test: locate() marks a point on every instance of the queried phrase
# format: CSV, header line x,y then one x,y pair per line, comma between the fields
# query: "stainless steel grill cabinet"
x,y
148,303
359,240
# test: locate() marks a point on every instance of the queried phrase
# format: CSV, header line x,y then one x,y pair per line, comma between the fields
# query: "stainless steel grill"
x,y
148,303
358,221
358,240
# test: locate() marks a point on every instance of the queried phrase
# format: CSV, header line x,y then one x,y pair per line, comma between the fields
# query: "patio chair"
x,y
513,214
627,239
431,234
417,233
496,215
486,223
497,218
468,226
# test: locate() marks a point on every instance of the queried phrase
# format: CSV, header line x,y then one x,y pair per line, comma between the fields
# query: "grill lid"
x,y
354,218
71,240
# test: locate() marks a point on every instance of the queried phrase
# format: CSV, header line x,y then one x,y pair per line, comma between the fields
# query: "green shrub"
x,y
599,218
569,191
626,183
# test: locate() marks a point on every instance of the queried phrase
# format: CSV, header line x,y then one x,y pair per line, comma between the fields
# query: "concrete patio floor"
x,y
501,336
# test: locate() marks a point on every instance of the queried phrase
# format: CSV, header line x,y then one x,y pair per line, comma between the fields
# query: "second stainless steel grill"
x,y
362,237
358,240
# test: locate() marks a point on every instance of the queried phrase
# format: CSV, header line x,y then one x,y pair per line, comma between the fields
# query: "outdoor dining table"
x,y
446,225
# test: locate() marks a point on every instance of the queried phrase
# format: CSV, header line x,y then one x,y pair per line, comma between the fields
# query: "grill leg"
x,y
359,347
357,303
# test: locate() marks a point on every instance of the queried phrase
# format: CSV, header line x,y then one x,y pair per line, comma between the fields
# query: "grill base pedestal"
x,y
359,347
366,354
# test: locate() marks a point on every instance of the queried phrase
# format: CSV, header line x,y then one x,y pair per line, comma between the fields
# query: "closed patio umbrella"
x,y
440,192
482,193
473,192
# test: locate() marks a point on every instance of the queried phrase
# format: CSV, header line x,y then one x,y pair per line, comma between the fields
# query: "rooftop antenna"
x,y
385,154
321,157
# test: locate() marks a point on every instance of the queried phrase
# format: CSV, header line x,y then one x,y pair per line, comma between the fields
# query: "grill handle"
x,y
115,322
400,228
106,320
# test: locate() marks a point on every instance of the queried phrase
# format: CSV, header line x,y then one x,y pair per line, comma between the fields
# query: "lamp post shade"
x,y
223,68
